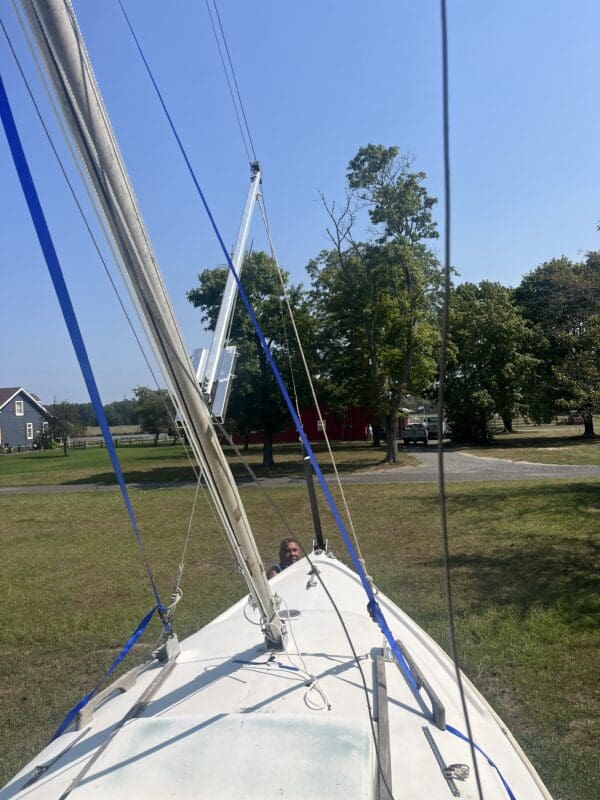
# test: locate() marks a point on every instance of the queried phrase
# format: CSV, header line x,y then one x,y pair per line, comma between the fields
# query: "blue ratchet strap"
x,y
373,605
62,293
465,738
126,648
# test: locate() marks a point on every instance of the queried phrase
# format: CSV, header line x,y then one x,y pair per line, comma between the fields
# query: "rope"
x,y
307,372
372,606
440,407
124,650
314,685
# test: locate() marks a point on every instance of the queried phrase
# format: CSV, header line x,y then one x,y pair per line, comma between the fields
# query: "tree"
x,y
155,412
85,412
65,422
561,298
120,412
256,403
376,302
488,359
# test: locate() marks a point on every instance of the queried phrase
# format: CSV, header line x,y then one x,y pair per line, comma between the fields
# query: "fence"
x,y
126,440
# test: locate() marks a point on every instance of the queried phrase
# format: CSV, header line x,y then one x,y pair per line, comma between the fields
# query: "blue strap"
x,y
62,293
373,605
465,738
125,649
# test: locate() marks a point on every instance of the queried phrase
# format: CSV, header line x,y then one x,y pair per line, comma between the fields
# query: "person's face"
x,y
290,553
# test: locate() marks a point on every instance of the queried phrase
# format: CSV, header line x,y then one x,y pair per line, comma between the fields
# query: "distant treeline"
x,y
121,412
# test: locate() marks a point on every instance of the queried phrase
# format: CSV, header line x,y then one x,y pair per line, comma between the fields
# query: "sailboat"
x,y
313,685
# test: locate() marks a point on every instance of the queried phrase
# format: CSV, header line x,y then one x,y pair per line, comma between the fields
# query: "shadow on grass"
x,y
288,464
536,577
514,441
564,497
523,566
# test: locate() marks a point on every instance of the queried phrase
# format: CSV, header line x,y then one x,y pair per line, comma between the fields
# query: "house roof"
x,y
6,395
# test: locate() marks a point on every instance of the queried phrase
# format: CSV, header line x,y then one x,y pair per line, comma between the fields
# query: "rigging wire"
x,y
55,271
440,406
312,390
358,662
237,88
99,217
246,141
290,313
176,593
373,606
262,206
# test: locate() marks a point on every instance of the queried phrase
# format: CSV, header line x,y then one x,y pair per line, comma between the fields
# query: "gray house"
x,y
22,419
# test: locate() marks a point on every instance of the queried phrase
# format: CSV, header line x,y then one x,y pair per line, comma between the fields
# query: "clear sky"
x,y
318,79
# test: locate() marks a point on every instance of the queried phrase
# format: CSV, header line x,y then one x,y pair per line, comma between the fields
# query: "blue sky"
x,y
319,79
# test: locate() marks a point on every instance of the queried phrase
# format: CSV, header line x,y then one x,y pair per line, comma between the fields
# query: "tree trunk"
x,y
588,426
65,450
156,435
379,431
508,423
268,460
391,435
246,443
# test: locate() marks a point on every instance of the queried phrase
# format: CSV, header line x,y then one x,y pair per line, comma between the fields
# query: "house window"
x,y
19,408
30,430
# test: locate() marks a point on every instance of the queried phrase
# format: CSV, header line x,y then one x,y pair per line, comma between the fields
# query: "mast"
x,y
61,45
214,368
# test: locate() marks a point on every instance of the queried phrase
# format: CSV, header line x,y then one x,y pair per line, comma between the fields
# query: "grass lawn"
x,y
169,463
524,571
551,444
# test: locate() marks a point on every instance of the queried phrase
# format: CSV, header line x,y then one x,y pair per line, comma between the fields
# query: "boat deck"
x,y
229,719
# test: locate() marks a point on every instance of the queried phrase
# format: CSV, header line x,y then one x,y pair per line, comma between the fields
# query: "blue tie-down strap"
x,y
64,299
124,650
465,738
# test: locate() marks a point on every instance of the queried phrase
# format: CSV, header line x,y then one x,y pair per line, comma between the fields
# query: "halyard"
x,y
524,566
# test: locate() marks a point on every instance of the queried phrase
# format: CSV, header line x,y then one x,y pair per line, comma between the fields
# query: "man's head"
x,y
289,552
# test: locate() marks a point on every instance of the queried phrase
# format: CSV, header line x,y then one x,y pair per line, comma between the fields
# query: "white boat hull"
x,y
227,722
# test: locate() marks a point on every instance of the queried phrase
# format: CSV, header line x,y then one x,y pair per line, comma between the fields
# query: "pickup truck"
x,y
415,432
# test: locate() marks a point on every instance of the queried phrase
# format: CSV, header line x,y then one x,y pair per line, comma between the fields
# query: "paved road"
x,y
457,466
461,467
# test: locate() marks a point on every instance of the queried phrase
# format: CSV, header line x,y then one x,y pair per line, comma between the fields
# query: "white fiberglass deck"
x,y
227,722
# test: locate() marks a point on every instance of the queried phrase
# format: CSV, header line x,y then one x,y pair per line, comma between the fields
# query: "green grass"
x,y
524,558
168,464
556,444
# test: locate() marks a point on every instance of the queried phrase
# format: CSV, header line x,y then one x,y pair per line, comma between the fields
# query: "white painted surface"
x,y
230,723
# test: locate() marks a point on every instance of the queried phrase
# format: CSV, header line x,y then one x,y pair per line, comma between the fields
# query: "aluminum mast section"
x,y
63,50
214,369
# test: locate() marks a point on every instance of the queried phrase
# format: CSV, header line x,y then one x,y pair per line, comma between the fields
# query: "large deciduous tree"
x,y
375,301
65,421
489,359
561,298
154,412
256,404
